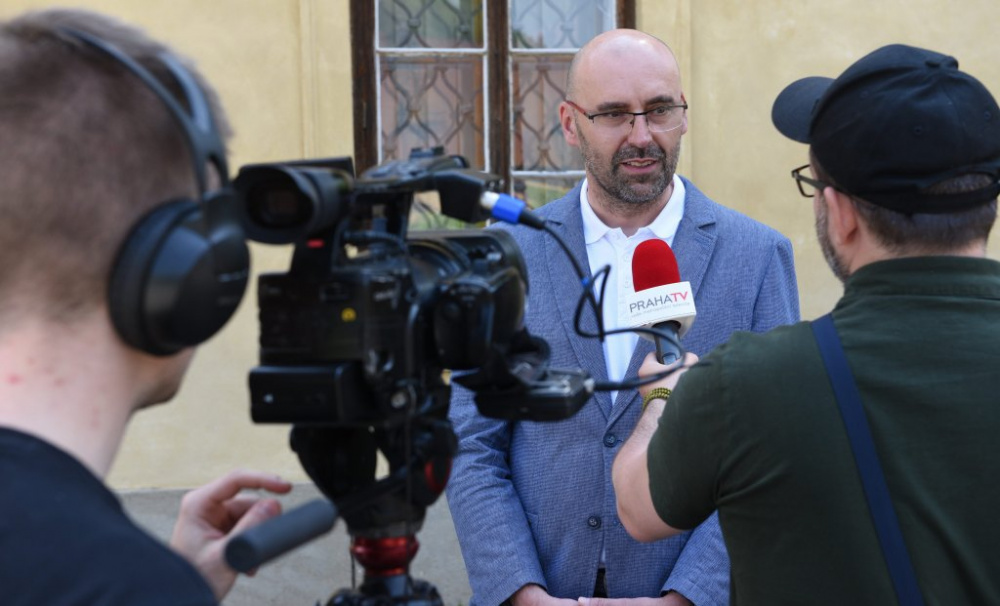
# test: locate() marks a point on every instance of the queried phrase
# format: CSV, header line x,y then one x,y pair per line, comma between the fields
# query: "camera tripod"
x,y
382,515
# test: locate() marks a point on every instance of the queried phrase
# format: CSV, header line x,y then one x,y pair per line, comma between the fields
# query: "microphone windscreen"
x,y
654,264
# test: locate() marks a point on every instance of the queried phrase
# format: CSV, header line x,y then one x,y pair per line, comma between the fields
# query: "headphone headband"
x,y
200,132
182,270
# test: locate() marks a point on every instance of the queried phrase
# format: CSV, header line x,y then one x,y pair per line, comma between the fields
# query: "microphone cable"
x,y
596,304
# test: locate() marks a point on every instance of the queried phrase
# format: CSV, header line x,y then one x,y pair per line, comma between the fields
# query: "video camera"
x,y
357,337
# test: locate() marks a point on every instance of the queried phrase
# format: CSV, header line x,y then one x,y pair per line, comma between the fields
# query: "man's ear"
x,y
684,127
568,123
842,215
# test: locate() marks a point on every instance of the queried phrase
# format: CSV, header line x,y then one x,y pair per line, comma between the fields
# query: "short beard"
x,y
626,197
836,264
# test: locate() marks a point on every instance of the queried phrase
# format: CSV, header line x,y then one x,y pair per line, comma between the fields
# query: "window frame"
x,y
365,93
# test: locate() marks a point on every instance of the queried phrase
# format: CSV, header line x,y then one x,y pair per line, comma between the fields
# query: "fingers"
x,y
258,512
228,486
233,511
651,367
237,507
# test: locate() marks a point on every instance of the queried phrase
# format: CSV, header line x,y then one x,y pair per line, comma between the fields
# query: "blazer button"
x,y
594,521
610,440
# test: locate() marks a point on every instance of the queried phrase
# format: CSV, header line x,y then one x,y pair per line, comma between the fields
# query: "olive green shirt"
x,y
754,431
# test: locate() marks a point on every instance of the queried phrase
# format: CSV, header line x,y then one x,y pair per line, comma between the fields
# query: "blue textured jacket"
x,y
533,502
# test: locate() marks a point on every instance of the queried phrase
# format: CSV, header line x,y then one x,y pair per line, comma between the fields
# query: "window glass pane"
x,y
426,214
537,191
432,101
430,23
559,23
538,86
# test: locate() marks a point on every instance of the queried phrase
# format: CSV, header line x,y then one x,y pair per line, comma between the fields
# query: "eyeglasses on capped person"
x,y
659,119
807,184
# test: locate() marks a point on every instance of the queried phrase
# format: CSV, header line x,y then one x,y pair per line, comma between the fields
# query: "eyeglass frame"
x,y
634,115
815,183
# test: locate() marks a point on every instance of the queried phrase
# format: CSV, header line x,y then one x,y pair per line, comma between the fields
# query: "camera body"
x,y
360,329
360,342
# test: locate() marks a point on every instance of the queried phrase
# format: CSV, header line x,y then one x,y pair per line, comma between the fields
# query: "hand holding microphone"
x,y
654,372
659,299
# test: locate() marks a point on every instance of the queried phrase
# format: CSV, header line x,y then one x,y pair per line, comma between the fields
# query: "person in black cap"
x,y
904,174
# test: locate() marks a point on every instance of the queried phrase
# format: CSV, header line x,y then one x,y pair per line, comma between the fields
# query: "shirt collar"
x,y
664,226
928,276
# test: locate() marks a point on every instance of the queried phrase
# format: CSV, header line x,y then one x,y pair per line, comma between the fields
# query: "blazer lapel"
x,y
693,246
627,396
567,220
695,239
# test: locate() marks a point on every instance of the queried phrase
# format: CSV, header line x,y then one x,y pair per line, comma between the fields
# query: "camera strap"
x,y
890,536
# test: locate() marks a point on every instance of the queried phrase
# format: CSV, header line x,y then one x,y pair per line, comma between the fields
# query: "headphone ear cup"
x,y
130,274
174,285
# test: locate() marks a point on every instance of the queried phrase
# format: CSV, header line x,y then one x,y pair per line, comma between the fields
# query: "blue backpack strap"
x,y
890,536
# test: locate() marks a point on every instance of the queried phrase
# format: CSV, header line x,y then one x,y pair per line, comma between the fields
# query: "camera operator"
x,y
89,153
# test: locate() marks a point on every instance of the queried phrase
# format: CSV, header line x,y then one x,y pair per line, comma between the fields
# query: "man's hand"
x,y
630,472
535,595
671,599
211,515
651,367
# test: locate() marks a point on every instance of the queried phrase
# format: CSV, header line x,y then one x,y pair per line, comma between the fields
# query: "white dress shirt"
x,y
610,246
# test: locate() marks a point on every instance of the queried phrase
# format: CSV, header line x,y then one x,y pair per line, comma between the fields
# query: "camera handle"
x,y
280,535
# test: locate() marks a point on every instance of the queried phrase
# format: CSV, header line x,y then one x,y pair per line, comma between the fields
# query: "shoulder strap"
x,y
872,478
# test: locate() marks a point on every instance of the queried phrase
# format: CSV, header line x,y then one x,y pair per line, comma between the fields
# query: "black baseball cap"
x,y
898,120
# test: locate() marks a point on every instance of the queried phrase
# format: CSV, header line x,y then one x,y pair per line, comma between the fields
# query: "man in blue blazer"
x,y
533,503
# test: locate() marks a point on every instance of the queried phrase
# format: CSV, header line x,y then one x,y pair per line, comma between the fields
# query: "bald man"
x,y
533,503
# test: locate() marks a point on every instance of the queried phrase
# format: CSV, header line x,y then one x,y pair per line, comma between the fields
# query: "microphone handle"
x,y
667,352
262,543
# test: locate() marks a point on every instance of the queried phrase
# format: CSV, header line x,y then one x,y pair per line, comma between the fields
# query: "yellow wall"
x,y
283,70
737,55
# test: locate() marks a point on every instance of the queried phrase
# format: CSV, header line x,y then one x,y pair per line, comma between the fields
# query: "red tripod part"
x,y
436,474
385,557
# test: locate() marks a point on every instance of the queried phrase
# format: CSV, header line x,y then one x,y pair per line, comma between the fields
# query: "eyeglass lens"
x,y
658,119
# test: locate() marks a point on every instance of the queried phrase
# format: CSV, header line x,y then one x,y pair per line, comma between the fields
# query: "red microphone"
x,y
659,299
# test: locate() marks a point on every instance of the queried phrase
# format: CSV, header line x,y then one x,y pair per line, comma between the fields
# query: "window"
x,y
482,78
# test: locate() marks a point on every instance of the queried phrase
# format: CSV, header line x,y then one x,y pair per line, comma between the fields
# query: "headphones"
x,y
183,268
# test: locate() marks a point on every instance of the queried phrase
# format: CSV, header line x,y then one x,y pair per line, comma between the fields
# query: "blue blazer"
x,y
533,502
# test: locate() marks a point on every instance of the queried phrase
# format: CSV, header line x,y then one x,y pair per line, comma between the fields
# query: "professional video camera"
x,y
357,337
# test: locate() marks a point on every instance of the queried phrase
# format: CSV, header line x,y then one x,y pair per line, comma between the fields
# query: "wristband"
x,y
658,393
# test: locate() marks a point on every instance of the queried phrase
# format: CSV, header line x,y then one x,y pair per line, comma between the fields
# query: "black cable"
x,y
587,294
596,304
569,255
638,382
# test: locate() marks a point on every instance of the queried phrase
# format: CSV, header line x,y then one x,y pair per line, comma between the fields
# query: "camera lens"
x,y
283,204
277,207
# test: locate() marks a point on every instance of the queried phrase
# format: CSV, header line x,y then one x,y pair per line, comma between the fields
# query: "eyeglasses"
x,y
659,119
800,179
